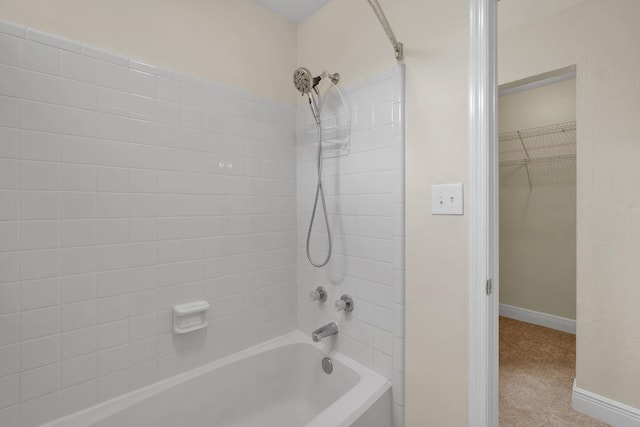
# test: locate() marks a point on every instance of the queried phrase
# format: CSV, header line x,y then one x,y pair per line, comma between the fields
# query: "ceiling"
x,y
295,11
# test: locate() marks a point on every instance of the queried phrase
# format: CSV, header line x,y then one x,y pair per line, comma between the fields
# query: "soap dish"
x,y
190,317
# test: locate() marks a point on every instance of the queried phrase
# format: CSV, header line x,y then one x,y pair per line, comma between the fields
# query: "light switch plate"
x,y
447,199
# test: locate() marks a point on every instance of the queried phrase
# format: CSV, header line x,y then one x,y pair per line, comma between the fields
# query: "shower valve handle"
x,y
344,303
320,294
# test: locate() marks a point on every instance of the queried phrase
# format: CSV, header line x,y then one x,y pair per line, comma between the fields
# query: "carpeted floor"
x,y
537,368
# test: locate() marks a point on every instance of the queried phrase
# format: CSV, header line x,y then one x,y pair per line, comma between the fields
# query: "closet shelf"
x,y
538,145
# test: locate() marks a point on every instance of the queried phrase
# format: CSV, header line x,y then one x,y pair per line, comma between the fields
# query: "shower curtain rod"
x,y
397,46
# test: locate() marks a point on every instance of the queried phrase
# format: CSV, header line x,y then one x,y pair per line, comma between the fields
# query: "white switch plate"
x,y
447,199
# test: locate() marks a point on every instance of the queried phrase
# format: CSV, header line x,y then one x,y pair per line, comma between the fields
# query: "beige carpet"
x,y
537,368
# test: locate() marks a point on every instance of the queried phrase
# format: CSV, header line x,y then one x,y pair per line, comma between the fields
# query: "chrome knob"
x,y
345,303
320,294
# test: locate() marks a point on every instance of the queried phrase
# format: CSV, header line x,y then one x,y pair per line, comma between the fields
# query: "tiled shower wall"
x,y
126,189
364,191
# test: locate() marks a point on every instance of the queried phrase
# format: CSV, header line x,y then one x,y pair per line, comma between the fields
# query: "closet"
x,y
537,148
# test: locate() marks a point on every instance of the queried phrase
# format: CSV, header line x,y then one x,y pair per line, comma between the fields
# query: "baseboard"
x,y
607,410
537,318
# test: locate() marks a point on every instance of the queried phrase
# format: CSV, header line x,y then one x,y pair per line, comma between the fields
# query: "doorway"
x,y
537,148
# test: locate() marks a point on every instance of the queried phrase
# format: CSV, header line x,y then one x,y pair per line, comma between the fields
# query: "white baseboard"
x,y
537,318
607,410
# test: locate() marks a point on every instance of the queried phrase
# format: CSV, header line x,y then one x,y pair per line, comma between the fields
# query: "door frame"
x,y
483,221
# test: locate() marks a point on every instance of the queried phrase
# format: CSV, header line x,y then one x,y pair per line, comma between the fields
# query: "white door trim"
x,y
483,222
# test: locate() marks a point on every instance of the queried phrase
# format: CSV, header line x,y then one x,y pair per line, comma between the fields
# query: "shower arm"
x,y
397,46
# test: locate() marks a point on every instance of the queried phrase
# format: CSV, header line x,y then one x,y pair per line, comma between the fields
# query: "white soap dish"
x,y
190,317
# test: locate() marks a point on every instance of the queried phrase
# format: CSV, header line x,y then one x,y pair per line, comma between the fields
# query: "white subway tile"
x,y
143,375
78,288
8,206
142,181
113,282
37,411
39,57
39,146
113,334
9,360
10,415
79,369
9,111
8,236
147,68
9,387
79,315
39,205
39,294
8,329
9,295
142,83
113,308
39,264
53,40
78,67
110,231
169,113
72,121
142,350
77,177
8,141
383,364
77,232
105,56
75,149
77,205
398,320
112,179
169,90
39,323
39,175
398,354
39,381
113,101
193,96
79,397
8,173
113,385
40,352
113,76
79,342
111,257
141,107
142,327
13,29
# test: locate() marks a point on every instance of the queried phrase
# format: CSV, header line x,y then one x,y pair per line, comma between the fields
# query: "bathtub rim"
x,y
345,410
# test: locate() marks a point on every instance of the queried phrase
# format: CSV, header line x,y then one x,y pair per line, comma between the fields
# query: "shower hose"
x,y
319,195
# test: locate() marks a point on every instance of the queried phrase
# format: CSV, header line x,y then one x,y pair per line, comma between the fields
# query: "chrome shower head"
x,y
304,81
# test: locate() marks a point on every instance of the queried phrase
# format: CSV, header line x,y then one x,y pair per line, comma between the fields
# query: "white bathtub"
x,y
279,383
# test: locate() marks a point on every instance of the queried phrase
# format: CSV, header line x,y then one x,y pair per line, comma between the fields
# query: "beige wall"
x,y
346,37
546,105
538,224
237,43
601,38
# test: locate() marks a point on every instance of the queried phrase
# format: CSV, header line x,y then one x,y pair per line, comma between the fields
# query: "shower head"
x,y
304,80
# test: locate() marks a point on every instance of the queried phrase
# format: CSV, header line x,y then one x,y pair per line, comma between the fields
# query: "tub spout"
x,y
324,331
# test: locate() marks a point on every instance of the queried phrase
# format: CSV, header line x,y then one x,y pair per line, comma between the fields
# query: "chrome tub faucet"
x,y
324,331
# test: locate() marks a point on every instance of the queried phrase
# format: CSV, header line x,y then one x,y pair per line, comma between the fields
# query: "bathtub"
x,y
279,383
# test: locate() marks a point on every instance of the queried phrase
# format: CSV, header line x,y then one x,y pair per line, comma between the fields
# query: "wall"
x,y
203,38
365,205
538,224
598,37
345,37
124,190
